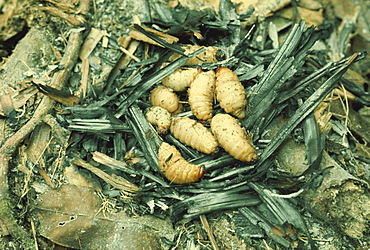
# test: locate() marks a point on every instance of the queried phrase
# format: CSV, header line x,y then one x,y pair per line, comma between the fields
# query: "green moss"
x,y
19,234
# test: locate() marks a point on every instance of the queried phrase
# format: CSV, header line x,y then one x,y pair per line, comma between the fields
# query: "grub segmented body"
x,y
233,138
159,117
193,134
175,167
201,94
180,79
230,92
165,97
209,55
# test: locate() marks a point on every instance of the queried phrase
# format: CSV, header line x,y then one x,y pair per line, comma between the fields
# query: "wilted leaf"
x,y
341,199
311,4
311,17
344,8
71,217
262,8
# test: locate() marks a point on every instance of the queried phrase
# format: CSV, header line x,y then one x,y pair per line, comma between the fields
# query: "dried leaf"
x,y
81,178
262,8
357,123
311,4
58,95
341,199
70,216
311,17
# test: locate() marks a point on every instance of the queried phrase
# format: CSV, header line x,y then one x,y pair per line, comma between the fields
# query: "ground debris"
x,y
78,154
